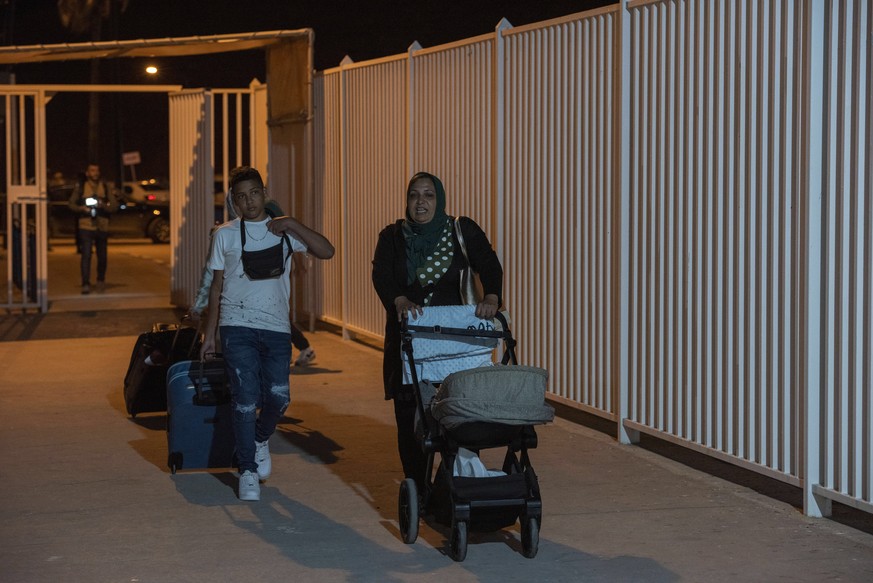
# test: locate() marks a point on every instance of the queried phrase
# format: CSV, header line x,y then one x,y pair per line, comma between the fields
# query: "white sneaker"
x,y
305,357
249,489
262,458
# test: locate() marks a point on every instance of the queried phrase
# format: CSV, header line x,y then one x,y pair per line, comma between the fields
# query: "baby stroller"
x,y
472,409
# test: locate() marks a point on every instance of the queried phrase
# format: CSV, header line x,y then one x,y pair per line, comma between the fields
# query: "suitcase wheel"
x,y
174,460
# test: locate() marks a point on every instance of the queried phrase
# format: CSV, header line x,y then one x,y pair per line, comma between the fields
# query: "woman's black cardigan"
x,y
390,277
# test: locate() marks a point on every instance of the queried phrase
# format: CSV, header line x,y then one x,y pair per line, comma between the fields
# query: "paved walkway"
x,y
87,495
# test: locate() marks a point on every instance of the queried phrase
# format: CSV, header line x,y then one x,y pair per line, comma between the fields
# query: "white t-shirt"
x,y
262,303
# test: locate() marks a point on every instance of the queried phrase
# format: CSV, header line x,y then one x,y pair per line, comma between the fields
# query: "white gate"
x,y
25,207
192,211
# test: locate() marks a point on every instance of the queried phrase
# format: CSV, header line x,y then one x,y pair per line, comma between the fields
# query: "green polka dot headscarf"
x,y
429,247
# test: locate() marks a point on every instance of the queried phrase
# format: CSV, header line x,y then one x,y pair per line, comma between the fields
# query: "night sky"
x,y
363,30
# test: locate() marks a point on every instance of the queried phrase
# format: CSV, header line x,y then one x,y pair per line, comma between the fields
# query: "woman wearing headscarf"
x,y
418,262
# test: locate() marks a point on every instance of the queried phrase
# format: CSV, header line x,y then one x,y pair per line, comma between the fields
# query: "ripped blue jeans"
x,y
257,365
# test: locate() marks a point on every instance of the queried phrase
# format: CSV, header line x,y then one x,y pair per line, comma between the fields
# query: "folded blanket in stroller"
x,y
437,355
511,395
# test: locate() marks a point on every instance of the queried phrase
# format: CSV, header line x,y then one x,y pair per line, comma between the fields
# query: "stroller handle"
x,y
505,334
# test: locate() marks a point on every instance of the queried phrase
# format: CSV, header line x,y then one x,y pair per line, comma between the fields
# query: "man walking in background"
x,y
93,201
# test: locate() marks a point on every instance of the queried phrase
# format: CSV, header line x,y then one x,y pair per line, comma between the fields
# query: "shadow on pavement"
x,y
339,552
83,324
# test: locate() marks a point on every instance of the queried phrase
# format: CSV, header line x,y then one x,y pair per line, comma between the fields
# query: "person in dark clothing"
x,y
93,201
305,352
418,263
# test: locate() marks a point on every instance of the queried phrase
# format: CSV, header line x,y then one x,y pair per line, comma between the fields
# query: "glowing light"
x,y
151,69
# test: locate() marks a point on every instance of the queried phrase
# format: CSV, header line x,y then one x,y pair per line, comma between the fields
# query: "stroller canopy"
x,y
511,395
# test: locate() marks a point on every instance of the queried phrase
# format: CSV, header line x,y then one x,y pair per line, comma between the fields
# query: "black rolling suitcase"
x,y
145,384
199,431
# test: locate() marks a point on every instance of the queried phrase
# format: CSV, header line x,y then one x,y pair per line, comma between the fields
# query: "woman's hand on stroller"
x,y
406,307
487,307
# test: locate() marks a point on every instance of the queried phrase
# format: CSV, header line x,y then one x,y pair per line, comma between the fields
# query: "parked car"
x,y
146,191
134,219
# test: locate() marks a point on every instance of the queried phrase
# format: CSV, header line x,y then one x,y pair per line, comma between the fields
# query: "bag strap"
x,y
186,323
287,242
242,238
460,236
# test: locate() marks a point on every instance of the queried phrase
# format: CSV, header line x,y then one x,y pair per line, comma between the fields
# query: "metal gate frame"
x,y
30,199
26,203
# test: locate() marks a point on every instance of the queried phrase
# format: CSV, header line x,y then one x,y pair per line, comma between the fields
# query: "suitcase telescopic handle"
x,y
200,398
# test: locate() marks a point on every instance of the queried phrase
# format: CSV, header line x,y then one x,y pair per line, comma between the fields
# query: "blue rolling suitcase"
x,y
199,431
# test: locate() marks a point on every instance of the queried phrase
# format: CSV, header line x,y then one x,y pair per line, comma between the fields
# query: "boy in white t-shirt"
x,y
249,299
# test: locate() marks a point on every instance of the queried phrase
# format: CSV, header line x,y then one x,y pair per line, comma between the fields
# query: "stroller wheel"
x,y
407,508
530,537
458,544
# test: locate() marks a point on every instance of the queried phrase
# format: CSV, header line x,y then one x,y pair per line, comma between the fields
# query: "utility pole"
x,y
7,36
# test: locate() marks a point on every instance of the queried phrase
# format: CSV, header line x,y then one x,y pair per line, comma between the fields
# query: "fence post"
x,y
498,128
344,193
622,49
811,216
410,106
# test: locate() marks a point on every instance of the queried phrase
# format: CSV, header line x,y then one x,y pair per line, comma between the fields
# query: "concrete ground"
x,y
87,495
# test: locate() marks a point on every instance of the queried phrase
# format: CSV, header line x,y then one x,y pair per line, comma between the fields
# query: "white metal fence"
x,y
192,214
678,193
714,263
558,213
839,446
328,195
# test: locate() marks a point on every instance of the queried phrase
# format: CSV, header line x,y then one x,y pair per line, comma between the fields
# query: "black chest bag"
x,y
264,264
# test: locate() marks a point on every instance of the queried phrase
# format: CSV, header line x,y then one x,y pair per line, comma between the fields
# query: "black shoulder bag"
x,y
264,264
